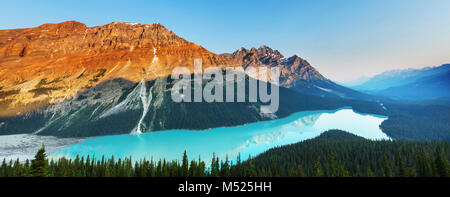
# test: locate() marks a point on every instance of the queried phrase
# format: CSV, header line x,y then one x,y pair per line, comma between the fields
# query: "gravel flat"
x,y
25,146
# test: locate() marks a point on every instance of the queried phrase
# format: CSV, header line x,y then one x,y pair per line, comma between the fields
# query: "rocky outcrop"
x,y
263,56
292,69
295,73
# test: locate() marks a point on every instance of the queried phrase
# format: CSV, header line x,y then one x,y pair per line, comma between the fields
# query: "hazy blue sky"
x,y
343,39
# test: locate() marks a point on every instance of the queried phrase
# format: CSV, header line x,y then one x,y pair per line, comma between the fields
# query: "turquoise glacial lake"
x,y
251,139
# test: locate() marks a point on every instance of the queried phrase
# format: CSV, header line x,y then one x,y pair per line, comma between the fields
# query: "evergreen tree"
x,y
225,169
441,164
4,169
370,173
317,170
40,164
423,166
200,172
341,171
214,166
387,170
331,164
401,170
299,172
358,171
251,168
185,165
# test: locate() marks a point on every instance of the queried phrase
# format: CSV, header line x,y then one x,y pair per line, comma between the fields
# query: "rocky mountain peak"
x,y
263,55
298,68
53,62
64,26
295,72
292,68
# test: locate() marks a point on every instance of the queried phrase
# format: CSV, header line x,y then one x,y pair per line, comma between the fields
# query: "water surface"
x,y
251,139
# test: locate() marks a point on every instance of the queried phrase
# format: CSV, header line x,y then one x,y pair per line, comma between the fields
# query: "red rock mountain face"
x,y
53,62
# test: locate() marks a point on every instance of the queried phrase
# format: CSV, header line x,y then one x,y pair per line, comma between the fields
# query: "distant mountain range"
x,y
70,80
410,84
355,82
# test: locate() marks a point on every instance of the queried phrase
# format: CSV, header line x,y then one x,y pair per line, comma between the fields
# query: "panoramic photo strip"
x,y
208,97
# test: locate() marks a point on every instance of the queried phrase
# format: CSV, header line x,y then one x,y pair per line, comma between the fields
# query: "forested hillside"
x,y
338,153
417,122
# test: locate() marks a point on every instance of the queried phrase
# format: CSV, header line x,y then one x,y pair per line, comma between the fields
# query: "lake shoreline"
x,y
250,139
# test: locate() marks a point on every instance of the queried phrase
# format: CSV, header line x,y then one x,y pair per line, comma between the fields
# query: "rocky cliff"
x,y
53,62
296,73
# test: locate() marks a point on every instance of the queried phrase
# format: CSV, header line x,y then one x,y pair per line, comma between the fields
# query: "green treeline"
x,y
338,153
418,122
333,154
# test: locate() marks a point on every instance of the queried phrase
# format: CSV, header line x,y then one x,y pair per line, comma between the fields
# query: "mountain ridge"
x,y
296,73
69,80
411,84
53,62
384,80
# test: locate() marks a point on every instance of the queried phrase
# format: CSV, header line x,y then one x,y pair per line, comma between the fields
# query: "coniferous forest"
x,y
335,153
